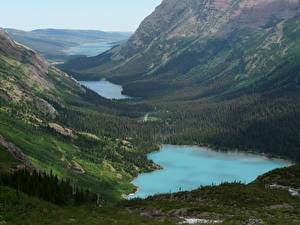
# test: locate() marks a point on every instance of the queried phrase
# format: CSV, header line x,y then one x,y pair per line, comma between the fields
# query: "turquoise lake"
x,y
91,49
105,89
189,167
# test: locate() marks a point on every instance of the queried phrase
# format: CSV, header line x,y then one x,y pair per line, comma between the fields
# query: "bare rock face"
x,y
7,45
187,18
17,153
4,36
27,78
36,66
62,130
15,50
254,222
45,107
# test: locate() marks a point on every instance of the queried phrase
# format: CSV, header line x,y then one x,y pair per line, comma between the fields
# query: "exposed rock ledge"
x,y
17,152
77,167
197,221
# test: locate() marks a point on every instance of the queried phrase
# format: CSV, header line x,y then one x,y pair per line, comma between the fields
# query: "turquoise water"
x,y
91,49
188,167
105,89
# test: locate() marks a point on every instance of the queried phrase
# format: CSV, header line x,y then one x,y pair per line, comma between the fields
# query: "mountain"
x,y
54,44
218,47
220,73
70,139
50,123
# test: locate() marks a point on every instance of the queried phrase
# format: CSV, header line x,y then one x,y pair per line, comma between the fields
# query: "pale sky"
x,y
106,15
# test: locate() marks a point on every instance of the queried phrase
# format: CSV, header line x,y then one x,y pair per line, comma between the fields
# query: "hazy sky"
x,y
107,15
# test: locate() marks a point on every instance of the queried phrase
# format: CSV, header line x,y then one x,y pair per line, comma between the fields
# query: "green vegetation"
x,y
252,123
7,160
232,203
65,128
51,151
22,209
234,89
47,187
287,177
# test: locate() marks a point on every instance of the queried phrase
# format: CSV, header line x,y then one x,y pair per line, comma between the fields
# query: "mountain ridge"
x,y
181,41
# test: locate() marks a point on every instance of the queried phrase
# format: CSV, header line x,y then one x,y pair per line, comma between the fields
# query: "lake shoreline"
x,y
105,89
90,49
264,157
131,194
161,146
229,150
95,86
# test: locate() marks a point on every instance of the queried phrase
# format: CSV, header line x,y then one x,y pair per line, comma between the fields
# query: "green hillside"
x,y
229,203
63,127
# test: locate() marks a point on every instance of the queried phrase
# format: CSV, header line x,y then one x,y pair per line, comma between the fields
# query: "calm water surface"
x,y
188,167
105,89
91,49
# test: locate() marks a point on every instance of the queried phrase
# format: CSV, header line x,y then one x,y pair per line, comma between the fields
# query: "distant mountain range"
x,y
55,43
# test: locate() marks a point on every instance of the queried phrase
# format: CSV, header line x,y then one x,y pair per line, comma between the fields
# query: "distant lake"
x,y
91,49
105,89
189,167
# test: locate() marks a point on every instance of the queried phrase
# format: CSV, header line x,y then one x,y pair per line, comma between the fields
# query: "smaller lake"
x,y
189,167
105,88
91,49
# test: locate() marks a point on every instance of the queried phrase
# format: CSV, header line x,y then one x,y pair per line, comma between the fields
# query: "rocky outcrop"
x,y
62,130
77,168
17,153
15,50
7,45
200,18
27,73
293,191
254,222
45,107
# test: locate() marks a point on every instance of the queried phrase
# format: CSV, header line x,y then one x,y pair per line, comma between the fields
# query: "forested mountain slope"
x,y
221,73
216,47
51,123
